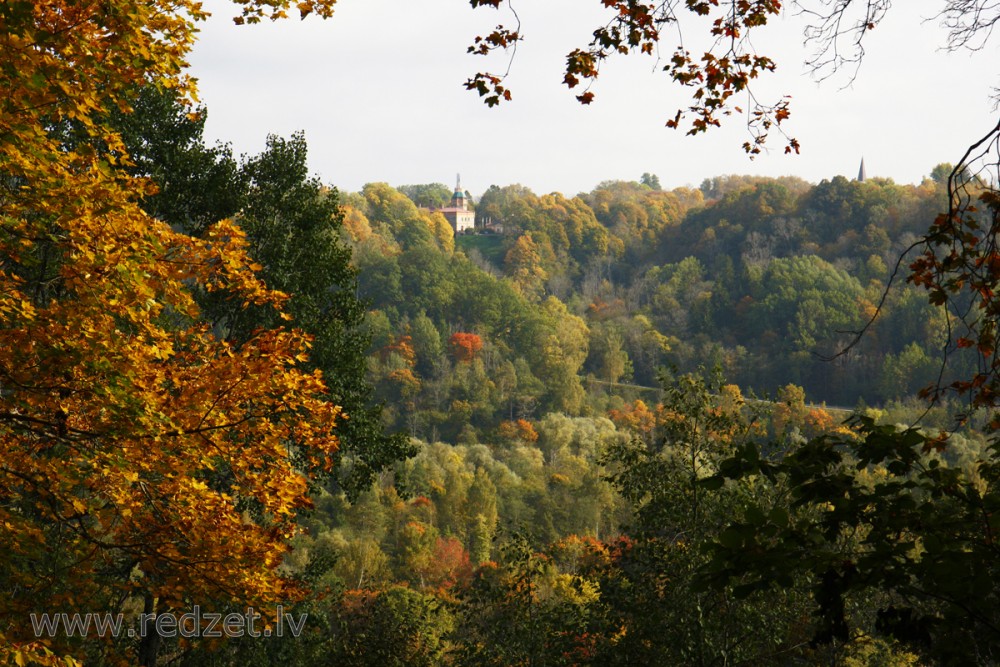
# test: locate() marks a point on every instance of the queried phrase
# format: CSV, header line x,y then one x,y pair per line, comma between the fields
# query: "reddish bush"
x,y
464,346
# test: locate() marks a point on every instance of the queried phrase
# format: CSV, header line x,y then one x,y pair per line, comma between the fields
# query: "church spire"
x,y
458,197
861,172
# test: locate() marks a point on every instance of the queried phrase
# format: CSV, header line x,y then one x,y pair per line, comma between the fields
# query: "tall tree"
x,y
293,225
196,185
117,402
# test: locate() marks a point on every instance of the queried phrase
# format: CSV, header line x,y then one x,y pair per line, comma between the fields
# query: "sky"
x,y
377,90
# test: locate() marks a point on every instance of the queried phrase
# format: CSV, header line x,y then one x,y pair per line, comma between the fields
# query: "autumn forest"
x,y
747,422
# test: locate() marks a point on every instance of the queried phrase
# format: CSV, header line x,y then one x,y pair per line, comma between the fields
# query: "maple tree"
x,y
721,77
959,266
292,223
726,69
141,455
465,346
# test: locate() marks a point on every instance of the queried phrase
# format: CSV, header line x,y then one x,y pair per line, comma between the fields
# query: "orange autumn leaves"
x,y
787,413
140,451
117,400
464,346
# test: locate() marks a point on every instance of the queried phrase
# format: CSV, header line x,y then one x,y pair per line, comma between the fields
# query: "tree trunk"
x,y
149,644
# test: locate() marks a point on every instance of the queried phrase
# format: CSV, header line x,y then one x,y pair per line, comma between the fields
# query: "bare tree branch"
x,y
836,33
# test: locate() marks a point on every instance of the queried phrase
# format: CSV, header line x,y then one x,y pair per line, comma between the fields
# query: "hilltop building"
x,y
458,213
491,226
861,172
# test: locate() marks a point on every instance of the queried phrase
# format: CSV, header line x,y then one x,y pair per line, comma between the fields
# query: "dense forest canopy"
x,y
764,278
630,426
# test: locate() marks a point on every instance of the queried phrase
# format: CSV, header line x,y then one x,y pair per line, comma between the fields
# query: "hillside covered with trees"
x,y
749,422
560,395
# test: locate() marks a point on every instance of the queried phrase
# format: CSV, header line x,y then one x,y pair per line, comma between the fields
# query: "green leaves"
x,y
863,524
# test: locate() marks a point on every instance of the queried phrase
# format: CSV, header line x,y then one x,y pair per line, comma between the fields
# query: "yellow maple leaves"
x,y
139,452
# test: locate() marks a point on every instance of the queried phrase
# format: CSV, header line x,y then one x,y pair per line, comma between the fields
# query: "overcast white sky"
x,y
378,91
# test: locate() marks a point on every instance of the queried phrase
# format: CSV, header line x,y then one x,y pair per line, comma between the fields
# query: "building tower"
x,y
458,214
861,172
458,198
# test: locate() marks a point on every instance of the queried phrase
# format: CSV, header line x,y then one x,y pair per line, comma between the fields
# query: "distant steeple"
x,y
861,172
459,215
458,197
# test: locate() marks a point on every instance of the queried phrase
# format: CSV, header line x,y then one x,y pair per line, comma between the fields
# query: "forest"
x,y
751,422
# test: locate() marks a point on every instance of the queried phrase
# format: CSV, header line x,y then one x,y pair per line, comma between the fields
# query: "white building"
x,y
458,214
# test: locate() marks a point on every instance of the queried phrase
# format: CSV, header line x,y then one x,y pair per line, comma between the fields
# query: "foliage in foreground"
x,y
144,460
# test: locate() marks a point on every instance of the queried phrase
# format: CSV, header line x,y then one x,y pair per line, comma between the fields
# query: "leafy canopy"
x,y
140,453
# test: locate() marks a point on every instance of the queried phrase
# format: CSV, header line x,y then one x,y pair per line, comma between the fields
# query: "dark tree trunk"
x,y
149,644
